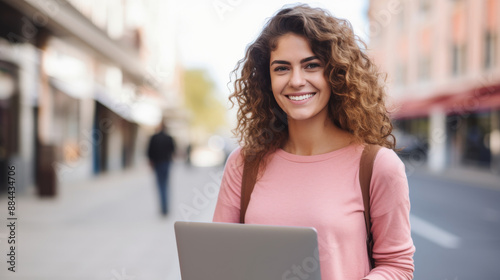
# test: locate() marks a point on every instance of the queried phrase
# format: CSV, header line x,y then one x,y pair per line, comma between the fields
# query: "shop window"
x,y
66,126
476,148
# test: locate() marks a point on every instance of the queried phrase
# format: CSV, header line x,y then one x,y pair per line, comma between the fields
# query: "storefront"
x,y
114,140
9,118
463,128
54,125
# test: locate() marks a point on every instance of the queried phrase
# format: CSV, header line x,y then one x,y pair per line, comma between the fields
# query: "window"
x,y
459,59
401,19
490,50
424,10
424,68
400,75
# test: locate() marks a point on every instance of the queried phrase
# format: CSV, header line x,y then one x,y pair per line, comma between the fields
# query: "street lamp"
x,y
7,85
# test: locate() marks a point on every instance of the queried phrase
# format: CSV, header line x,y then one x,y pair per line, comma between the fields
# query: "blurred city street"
x,y
110,227
107,228
85,84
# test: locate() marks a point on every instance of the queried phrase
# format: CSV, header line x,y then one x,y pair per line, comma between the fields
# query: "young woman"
x,y
309,101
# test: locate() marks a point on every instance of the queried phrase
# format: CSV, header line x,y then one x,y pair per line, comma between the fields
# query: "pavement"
x,y
108,227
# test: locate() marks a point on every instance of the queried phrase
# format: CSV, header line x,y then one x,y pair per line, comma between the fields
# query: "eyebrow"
x,y
288,63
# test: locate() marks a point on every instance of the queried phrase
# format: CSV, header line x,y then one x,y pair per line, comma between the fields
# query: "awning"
x,y
145,111
475,100
119,107
77,89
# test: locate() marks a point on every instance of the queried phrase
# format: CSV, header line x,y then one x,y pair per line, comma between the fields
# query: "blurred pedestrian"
x,y
189,150
311,102
160,150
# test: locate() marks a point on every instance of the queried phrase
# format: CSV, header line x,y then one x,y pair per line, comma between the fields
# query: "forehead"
x,y
292,46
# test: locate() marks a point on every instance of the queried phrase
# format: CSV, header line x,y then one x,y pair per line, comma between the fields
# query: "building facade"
x,y
77,93
443,63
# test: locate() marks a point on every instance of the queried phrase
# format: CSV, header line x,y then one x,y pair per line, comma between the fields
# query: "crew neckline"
x,y
315,158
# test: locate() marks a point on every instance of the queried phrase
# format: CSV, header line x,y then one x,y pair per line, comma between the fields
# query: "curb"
x,y
472,176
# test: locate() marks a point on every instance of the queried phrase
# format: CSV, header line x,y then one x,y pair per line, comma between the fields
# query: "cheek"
x,y
278,83
321,82
273,84
277,98
277,89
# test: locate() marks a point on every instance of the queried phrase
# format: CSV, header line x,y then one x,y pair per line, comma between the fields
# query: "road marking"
x,y
434,233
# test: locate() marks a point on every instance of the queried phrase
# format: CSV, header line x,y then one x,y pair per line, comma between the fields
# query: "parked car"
x,y
411,147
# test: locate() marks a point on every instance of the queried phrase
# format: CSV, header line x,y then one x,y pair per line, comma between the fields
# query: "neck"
x,y
310,137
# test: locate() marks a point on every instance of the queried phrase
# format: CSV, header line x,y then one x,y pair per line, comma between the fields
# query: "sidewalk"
x,y
107,228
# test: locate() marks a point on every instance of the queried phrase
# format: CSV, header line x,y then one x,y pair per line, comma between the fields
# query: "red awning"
x,y
475,100
411,109
479,99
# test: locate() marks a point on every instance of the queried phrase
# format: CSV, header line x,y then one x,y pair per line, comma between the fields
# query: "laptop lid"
x,y
227,251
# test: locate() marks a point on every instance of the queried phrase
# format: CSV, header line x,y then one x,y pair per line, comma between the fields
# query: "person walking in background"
x,y
310,103
189,149
160,150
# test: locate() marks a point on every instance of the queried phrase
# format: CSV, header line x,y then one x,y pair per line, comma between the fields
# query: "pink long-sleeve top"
x,y
323,191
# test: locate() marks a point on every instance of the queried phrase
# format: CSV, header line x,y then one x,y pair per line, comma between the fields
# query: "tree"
x,y
207,110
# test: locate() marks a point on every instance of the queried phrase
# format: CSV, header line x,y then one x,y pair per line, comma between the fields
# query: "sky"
x,y
214,34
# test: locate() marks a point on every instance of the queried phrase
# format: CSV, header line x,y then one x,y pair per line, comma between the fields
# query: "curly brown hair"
x,y
357,102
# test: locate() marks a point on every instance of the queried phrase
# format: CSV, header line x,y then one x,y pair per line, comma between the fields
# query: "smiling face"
x,y
297,79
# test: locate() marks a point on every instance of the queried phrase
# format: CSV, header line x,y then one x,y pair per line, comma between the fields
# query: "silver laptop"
x,y
226,251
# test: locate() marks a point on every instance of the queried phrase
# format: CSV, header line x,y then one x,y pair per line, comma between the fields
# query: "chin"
x,y
300,117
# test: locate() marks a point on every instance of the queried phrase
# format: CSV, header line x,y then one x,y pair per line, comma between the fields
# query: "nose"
x,y
297,79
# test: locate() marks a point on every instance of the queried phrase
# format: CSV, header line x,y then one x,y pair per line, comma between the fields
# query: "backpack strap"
x,y
249,177
365,176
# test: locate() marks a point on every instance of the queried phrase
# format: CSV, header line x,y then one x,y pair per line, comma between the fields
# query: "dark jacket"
x,y
161,147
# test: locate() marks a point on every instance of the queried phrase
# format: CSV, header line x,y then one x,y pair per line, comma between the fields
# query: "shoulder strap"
x,y
249,177
365,176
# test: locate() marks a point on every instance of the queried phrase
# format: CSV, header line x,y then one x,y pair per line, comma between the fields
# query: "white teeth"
x,y
300,97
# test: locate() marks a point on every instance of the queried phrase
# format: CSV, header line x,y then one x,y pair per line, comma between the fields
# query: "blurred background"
x,y
84,84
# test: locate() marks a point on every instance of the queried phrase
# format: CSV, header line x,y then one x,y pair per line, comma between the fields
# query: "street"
x,y
109,227
466,221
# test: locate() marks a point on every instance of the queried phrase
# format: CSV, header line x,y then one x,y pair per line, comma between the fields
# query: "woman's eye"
x,y
280,69
312,65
